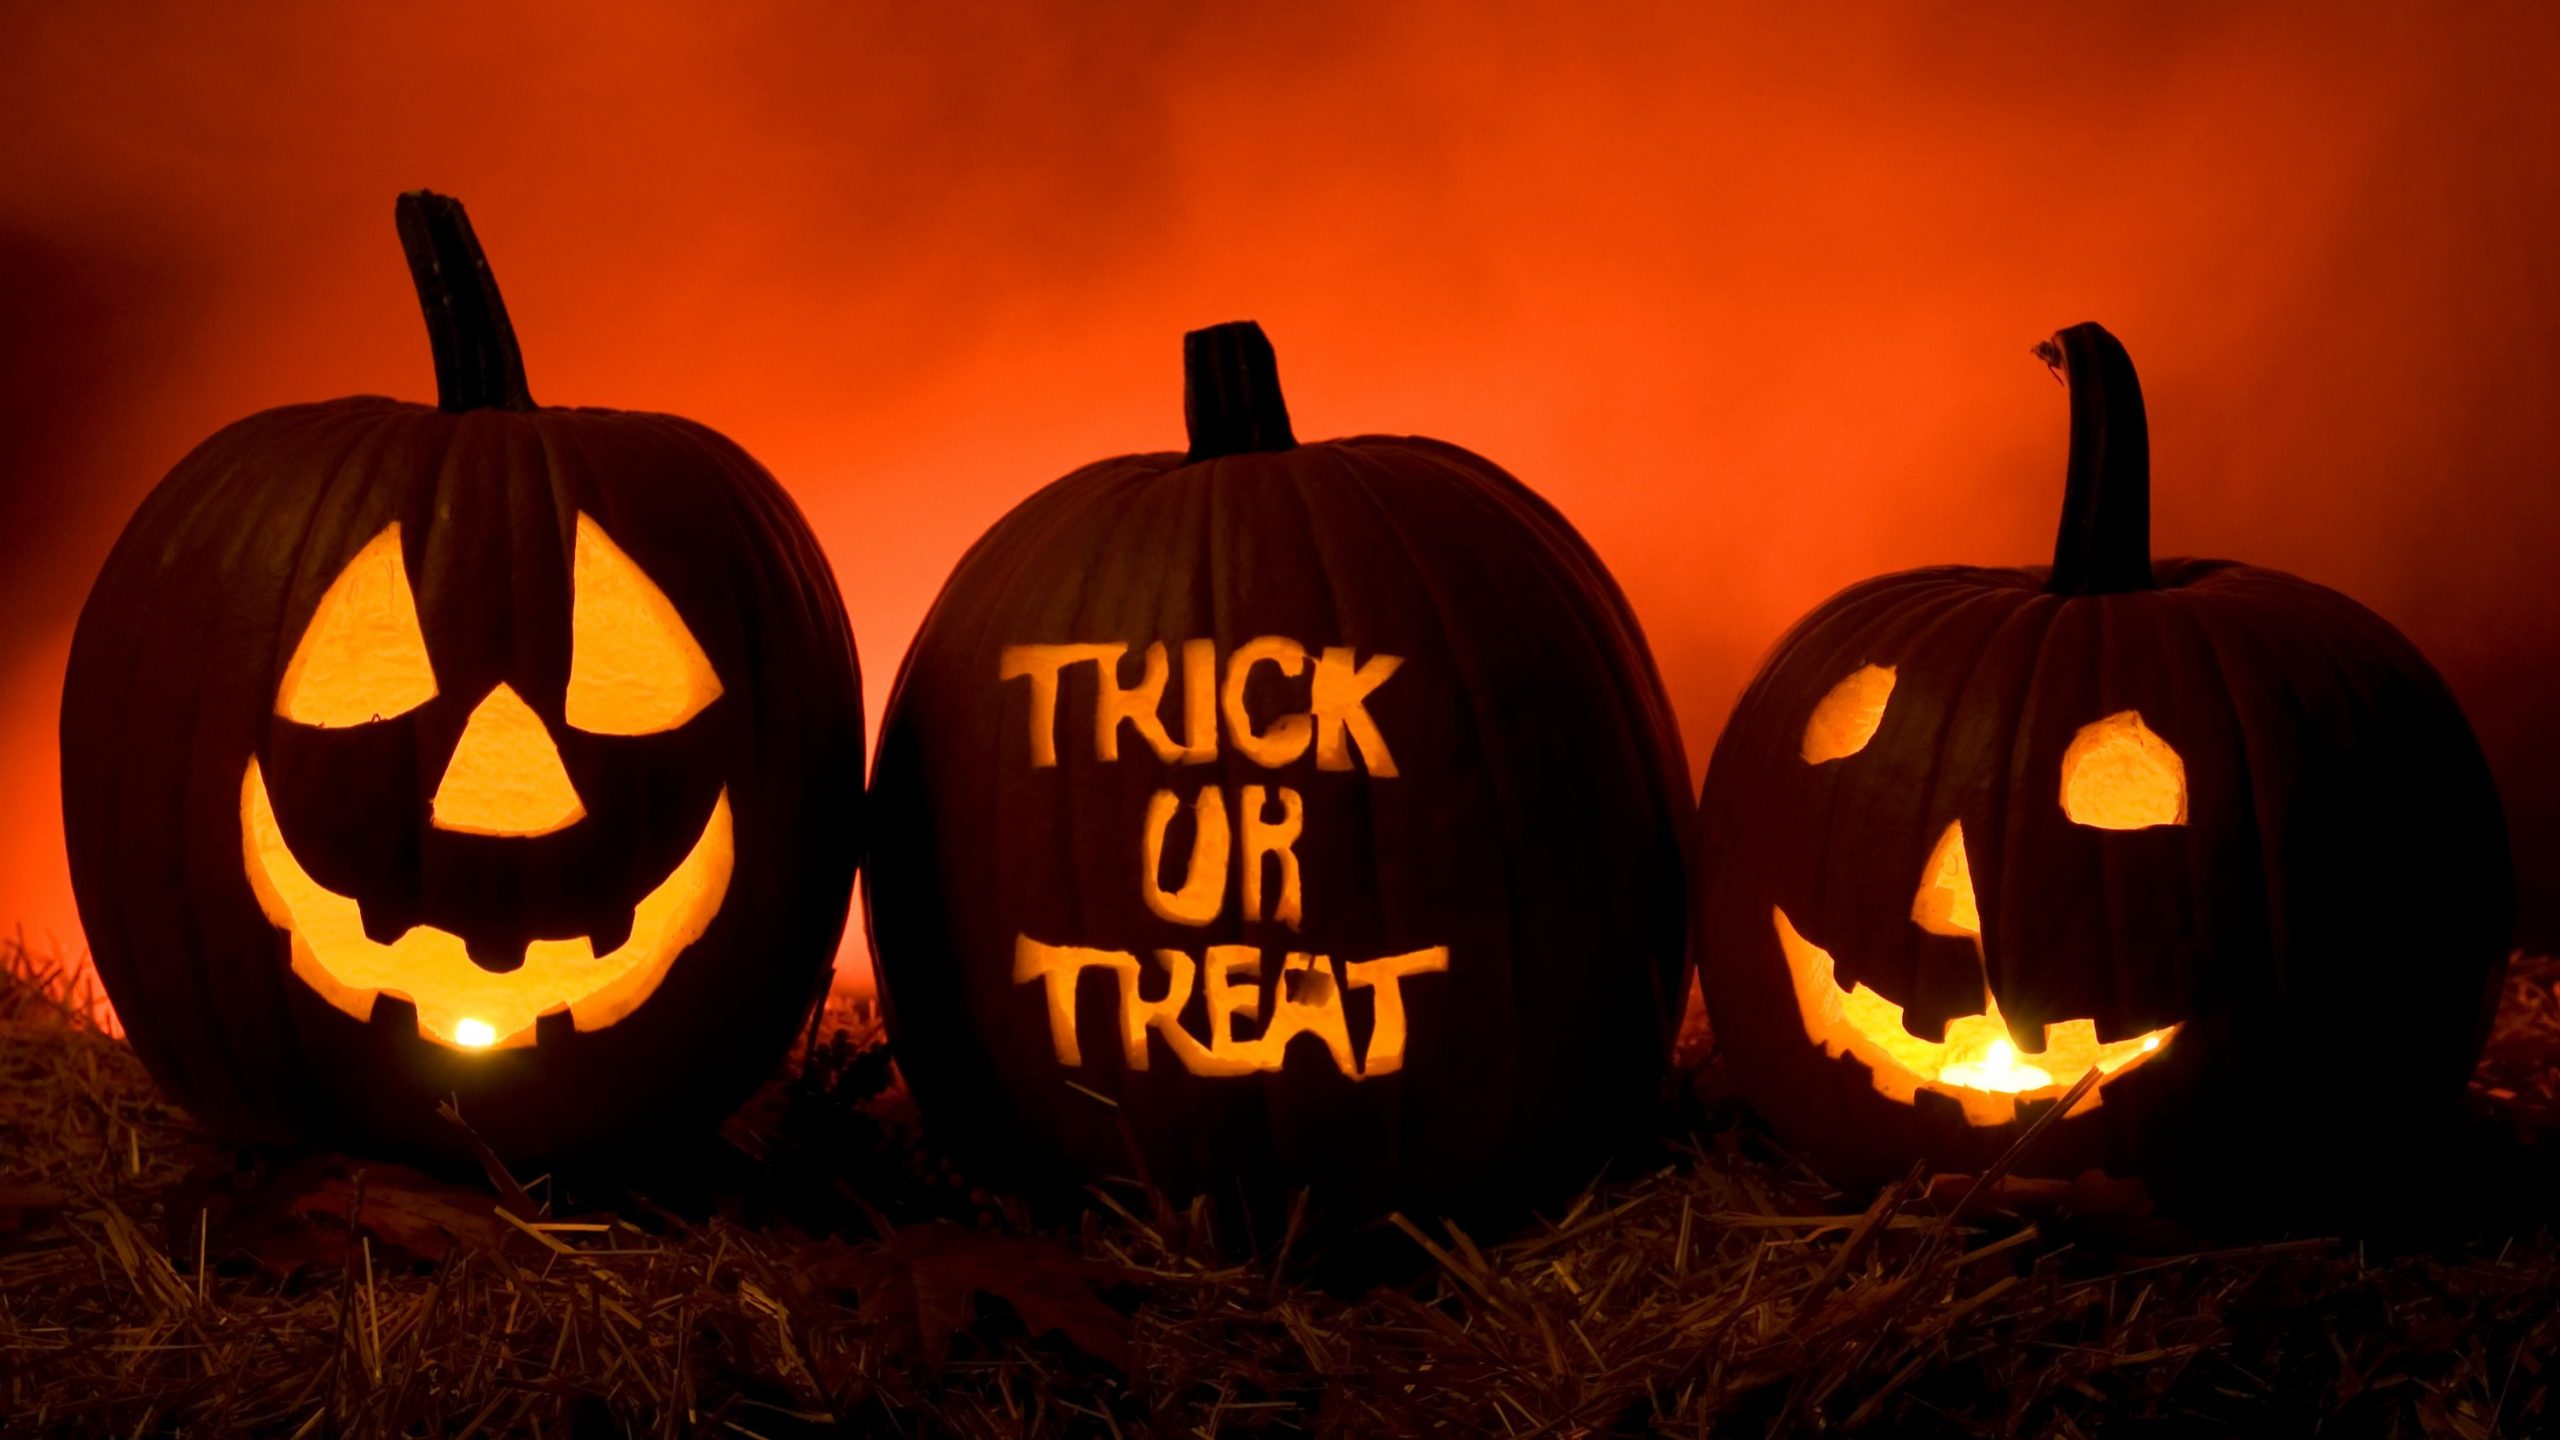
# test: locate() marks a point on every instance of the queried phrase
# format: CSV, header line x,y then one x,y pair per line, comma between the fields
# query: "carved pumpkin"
x,y
2219,833
482,750
1304,815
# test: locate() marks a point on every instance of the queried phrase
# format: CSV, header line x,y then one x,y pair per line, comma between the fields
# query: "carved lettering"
x,y
1341,706
1309,1003
1164,1017
1276,839
1288,737
1136,706
1335,723
1263,835
1227,1000
1386,976
1041,664
1199,701
1305,999
1204,880
1059,966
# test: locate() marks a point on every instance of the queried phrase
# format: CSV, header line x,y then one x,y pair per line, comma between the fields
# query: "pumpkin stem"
x,y
478,366
2104,545
1231,392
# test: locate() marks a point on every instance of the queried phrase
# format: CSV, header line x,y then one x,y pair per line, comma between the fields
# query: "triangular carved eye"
x,y
362,658
634,666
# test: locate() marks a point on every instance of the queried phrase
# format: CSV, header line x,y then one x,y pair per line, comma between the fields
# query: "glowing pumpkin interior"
x,y
635,669
2116,775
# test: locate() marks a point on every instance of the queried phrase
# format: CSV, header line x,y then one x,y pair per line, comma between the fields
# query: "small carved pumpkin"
x,y
2215,832
1302,815
481,750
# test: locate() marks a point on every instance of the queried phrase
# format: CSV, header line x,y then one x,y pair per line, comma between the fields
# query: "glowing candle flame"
x,y
476,1034
1982,1058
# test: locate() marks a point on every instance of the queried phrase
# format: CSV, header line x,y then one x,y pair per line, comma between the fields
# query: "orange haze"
x,y
1749,297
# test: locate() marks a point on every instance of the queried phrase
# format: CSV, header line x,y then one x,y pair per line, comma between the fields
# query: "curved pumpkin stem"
x,y
1231,392
478,366
2105,542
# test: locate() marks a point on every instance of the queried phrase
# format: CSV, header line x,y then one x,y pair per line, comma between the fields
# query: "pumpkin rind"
x,y
2324,928
171,691
1535,826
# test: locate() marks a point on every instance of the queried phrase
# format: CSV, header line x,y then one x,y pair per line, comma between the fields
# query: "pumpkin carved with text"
x,y
1298,815
482,750
2215,833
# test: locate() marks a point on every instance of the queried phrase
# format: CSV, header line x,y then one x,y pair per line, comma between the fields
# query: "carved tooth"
x,y
397,1014
383,924
611,933
498,957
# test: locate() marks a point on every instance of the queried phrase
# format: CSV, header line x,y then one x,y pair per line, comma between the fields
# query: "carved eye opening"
x,y
2118,775
362,658
1846,718
634,666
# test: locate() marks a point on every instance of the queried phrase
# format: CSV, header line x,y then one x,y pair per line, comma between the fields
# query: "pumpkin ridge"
x,y
2136,642
1916,636
1368,482
1942,640
1364,472
1130,529
151,654
2020,790
1541,532
2026,622
2204,653
1638,691
1303,498
1826,640
756,497
117,927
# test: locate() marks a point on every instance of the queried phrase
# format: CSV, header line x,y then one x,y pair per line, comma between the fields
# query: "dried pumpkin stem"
x,y
478,366
2104,545
1231,392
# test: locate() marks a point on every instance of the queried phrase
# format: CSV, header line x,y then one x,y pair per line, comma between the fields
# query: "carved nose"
x,y
1944,903
505,777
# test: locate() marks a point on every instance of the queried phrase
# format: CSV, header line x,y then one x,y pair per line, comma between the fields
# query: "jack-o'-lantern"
x,y
2215,832
1300,815
480,750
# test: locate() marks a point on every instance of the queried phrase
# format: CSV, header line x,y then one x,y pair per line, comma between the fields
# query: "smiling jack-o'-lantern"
x,y
2216,833
480,750
1280,815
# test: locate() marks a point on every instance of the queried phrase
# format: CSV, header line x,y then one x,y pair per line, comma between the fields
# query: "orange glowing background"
x,y
1750,298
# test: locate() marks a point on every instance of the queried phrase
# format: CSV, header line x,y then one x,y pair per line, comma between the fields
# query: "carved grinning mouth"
x,y
1976,1065
458,1003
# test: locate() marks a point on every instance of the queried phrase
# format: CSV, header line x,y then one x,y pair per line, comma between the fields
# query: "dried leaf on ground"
x,y
917,1285
309,1213
23,1206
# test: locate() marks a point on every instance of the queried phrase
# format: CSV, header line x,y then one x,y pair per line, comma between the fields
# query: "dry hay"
x,y
150,1284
